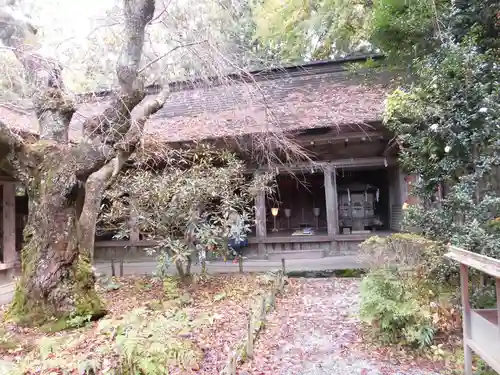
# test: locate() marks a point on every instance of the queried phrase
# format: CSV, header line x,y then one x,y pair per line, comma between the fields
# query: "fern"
x,y
78,321
148,343
142,342
394,309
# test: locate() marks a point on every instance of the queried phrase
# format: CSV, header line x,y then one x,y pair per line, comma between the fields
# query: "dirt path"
x,y
315,331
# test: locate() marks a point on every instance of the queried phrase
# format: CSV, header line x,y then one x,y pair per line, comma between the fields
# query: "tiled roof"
x,y
310,98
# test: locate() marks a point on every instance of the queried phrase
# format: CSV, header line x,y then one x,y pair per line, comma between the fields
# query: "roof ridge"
x,y
258,75
311,68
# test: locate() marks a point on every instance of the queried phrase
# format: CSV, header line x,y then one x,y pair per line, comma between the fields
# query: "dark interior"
x,y
371,181
301,194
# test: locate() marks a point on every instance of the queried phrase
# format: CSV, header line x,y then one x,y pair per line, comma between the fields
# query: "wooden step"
x,y
296,254
6,292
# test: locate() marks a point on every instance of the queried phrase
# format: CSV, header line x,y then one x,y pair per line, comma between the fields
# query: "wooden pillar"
x,y
335,201
260,221
402,187
9,222
331,200
134,228
134,235
464,283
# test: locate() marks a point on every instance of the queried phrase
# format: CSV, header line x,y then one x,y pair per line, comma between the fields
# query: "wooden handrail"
x,y
479,262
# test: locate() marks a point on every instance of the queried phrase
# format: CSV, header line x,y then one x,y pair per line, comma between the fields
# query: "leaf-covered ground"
x,y
315,330
213,318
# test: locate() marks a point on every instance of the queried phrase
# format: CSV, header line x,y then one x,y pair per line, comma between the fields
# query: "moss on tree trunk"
x,y
57,280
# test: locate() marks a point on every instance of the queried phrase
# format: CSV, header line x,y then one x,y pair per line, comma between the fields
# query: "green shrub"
x,y
406,294
395,311
409,252
483,297
484,369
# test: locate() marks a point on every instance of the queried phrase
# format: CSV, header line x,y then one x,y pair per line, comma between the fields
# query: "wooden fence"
x,y
256,322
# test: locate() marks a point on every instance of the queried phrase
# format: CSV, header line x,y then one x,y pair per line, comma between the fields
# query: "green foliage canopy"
x,y
447,123
299,30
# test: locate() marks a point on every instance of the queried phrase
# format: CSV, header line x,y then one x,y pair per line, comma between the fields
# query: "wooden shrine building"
x,y
352,187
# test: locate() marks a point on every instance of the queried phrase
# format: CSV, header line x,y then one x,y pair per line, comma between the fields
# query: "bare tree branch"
x,y
152,62
164,10
53,108
138,13
101,179
112,125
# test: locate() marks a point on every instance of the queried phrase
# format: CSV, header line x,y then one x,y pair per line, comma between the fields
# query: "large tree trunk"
x,y
57,279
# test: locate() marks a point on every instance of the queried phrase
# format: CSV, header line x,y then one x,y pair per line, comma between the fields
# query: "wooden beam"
x,y
7,179
339,138
339,163
480,262
290,239
9,222
364,162
126,244
351,150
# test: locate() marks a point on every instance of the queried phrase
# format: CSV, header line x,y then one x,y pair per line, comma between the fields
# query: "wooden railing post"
x,y
135,235
249,348
240,263
464,283
497,283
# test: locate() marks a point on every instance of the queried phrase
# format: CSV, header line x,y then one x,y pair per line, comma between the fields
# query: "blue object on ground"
x,y
237,245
